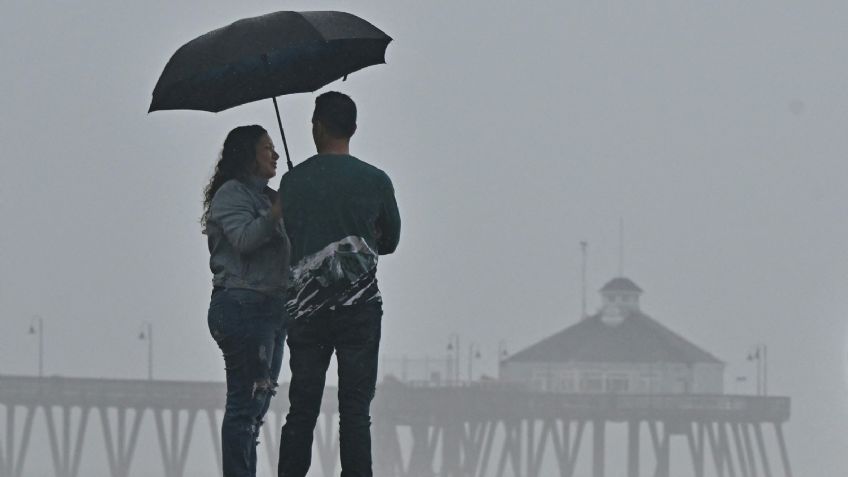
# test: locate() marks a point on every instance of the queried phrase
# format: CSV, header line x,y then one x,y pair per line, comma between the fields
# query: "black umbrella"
x,y
265,57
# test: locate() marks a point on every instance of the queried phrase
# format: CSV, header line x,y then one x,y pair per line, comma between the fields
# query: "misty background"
x,y
511,131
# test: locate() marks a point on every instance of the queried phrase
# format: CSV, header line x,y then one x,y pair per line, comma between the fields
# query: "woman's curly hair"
x,y
237,157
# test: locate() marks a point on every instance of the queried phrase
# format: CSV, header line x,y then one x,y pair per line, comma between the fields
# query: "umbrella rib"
x,y
313,27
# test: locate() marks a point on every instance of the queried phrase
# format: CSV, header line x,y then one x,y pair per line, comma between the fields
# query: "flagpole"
x,y
583,245
621,247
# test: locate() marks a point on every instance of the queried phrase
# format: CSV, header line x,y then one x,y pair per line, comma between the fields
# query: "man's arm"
x,y
388,222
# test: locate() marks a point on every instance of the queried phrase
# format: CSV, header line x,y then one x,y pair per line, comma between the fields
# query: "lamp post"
x,y
473,353
403,362
765,370
503,354
146,333
741,379
760,356
40,332
453,356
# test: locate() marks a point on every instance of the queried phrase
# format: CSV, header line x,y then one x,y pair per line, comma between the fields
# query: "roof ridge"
x,y
675,339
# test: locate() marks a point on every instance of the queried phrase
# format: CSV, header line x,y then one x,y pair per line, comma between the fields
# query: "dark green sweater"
x,y
340,214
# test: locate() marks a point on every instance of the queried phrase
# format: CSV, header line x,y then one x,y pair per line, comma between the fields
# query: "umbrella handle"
x,y
285,144
277,109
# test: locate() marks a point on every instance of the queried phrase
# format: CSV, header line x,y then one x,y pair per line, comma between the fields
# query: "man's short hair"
x,y
336,112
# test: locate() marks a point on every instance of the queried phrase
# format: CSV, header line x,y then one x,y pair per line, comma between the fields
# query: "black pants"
x,y
354,334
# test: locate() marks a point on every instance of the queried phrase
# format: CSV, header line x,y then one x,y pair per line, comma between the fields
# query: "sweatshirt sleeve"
x,y
232,208
388,222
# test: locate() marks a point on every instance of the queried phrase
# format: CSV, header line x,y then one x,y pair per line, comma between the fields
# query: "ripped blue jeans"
x,y
250,328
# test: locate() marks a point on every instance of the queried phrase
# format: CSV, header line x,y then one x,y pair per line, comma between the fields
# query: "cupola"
x,y
618,297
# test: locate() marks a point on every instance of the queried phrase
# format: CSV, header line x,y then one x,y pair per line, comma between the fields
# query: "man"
x,y
340,214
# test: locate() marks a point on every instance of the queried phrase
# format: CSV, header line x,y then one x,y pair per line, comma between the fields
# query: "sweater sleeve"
x,y
232,208
388,222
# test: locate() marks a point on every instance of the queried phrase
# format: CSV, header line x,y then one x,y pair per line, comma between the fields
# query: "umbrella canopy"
x,y
267,56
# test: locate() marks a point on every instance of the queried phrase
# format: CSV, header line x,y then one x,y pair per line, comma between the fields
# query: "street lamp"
x,y
40,332
739,380
453,355
473,353
760,355
146,333
503,354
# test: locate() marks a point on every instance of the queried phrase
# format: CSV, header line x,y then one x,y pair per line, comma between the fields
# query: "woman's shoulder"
x,y
233,189
234,186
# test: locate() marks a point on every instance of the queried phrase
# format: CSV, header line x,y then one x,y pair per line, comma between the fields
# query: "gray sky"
x,y
715,129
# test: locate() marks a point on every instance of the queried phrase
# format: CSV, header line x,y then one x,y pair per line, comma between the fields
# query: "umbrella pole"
x,y
285,144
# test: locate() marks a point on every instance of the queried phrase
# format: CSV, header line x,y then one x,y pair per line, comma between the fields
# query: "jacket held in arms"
x,y
340,214
247,248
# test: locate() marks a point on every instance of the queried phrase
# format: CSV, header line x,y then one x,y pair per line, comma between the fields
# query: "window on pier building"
x,y
540,378
617,383
649,383
592,382
565,382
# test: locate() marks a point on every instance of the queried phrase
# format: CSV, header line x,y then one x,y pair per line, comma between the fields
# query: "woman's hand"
x,y
276,210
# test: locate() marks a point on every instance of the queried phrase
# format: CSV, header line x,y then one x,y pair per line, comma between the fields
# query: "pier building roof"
x,y
619,332
638,338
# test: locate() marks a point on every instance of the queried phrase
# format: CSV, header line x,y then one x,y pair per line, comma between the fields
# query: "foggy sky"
x,y
511,131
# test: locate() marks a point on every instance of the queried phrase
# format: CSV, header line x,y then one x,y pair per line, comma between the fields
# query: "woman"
x,y
249,258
